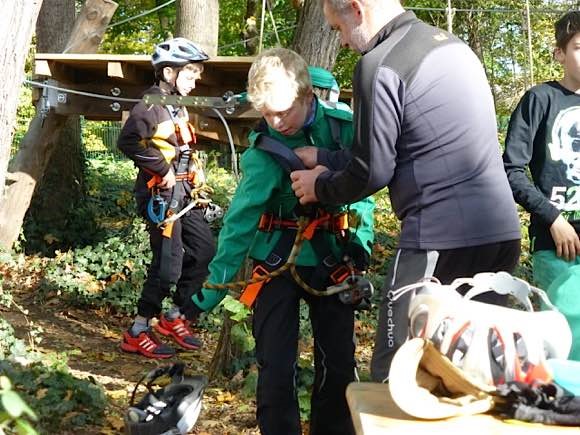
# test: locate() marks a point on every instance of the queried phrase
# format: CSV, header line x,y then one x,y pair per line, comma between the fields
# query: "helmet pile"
x,y
490,343
169,410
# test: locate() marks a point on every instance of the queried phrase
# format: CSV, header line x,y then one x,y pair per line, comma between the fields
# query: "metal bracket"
x,y
44,105
229,101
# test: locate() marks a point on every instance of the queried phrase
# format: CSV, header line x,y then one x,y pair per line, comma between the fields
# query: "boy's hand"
x,y
308,155
565,238
168,181
304,184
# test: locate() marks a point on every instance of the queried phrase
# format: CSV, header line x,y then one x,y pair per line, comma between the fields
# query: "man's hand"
x,y
304,182
168,181
565,238
308,155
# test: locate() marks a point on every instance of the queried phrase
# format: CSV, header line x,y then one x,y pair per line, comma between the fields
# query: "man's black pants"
x,y
411,265
275,328
192,249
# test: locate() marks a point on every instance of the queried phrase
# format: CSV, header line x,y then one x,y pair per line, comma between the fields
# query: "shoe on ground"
x,y
180,331
147,344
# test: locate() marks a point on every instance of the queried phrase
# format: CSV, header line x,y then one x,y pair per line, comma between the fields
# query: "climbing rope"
x,y
290,265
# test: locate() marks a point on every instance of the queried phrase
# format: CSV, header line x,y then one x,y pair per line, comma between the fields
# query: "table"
x,y
374,412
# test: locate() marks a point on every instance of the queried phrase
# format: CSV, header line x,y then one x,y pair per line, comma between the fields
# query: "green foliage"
x,y
106,262
24,114
10,346
16,413
223,184
237,310
110,273
232,14
242,337
60,400
138,36
304,386
107,210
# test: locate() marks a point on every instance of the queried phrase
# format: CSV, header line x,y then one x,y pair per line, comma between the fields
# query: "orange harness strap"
x,y
250,293
337,223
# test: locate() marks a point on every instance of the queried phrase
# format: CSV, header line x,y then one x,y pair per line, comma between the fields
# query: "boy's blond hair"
x,y
274,71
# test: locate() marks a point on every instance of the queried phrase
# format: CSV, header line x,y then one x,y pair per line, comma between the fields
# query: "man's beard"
x,y
360,39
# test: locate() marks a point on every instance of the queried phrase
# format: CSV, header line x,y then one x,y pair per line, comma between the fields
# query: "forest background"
x,y
69,284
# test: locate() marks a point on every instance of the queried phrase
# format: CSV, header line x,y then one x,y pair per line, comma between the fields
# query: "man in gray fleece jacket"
x,y
425,127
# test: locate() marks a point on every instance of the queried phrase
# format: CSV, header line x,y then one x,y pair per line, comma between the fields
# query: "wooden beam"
x,y
115,69
42,68
212,128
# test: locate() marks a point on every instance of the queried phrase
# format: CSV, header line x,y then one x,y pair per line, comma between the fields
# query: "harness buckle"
x,y
266,222
340,274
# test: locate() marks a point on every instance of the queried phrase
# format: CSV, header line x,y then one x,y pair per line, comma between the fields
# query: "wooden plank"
x,y
374,412
213,128
115,69
42,68
224,61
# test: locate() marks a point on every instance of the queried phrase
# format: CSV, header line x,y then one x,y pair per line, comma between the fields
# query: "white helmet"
x,y
491,343
178,52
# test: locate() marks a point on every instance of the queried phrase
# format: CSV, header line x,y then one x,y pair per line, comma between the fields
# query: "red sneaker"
x,y
178,329
147,344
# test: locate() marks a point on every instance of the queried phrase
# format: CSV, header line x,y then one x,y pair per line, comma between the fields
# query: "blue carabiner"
x,y
156,208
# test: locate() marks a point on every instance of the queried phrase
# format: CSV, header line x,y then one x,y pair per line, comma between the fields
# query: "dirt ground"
x,y
90,340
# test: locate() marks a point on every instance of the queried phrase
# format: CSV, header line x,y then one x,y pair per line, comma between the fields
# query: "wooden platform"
x,y
374,412
128,76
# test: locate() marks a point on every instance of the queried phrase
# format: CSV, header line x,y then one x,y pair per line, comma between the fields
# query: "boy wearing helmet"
x,y
159,139
261,223
544,136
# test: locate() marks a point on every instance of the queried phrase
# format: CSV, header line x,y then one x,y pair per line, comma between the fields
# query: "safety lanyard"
x,y
184,137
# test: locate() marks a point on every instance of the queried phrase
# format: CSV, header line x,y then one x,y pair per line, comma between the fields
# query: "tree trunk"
x,y
250,32
222,357
17,20
164,21
36,147
198,20
64,173
314,40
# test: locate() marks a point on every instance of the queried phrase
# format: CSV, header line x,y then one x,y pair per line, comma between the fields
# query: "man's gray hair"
x,y
340,6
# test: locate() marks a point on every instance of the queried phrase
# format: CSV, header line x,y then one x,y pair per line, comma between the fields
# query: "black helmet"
x,y
177,52
173,409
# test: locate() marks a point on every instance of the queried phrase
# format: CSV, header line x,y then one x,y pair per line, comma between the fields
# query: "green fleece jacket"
x,y
266,187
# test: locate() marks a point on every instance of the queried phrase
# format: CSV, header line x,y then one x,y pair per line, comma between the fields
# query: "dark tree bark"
x,y
250,33
63,178
314,40
164,21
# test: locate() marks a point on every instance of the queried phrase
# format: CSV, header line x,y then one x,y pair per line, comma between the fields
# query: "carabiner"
x,y
156,208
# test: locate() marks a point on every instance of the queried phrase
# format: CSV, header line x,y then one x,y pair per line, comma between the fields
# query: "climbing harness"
x,y
352,282
228,102
352,287
190,190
